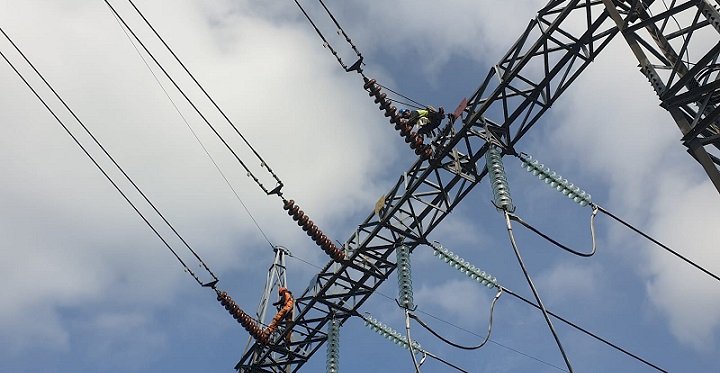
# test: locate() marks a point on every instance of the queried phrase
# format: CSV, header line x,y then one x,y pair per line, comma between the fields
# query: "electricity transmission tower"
x,y
555,48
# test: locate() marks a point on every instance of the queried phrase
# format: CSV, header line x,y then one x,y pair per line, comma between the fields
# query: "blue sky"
x,y
88,287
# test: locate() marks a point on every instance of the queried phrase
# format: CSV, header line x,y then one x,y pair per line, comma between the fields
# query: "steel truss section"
x,y
678,48
552,51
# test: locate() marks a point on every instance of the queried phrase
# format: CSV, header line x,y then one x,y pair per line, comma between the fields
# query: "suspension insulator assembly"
x,y
390,333
333,346
405,298
413,139
498,179
313,231
463,266
243,318
555,181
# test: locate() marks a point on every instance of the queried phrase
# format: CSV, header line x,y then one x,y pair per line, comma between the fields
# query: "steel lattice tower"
x,y
555,48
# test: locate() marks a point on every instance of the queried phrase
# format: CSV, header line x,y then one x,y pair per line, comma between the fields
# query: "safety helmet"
x,y
404,111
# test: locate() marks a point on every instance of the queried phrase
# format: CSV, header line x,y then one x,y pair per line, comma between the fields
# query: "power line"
x,y
585,331
534,291
107,176
205,150
527,225
445,321
451,343
648,237
197,110
263,163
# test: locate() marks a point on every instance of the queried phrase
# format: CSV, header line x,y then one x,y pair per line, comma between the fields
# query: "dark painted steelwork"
x,y
678,49
553,50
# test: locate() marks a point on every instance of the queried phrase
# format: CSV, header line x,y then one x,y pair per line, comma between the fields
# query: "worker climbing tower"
x,y
276,279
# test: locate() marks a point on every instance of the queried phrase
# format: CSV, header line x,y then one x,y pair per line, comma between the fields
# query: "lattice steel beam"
x,y
678,48
552,51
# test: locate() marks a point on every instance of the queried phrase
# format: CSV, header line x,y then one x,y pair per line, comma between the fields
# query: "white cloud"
x,y
72,241
570,282
652,183
684,294
455,299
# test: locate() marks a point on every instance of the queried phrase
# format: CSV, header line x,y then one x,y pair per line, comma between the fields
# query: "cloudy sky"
x,y
88,287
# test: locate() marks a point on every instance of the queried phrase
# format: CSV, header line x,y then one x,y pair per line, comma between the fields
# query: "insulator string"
x,y
262,335
554,180
413,139
463,266
404,274
312,230
498,179
333,347
402,341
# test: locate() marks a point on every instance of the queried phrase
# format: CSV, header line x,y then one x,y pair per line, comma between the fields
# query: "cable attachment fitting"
x,y
498,179
556,181
313,231
415,140
247,322
404,273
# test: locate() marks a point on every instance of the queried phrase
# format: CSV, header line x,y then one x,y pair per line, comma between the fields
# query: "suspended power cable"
x,y
347,38
357,66
535,292
451,343
197,138
668,249
418,310
394,336
290,206
419,105
588,333
516,218
410,341
503,202
101,169
584,199
277,189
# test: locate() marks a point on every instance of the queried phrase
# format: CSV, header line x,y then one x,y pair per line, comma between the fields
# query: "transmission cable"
x,y
418,310
277,189
357,66
534,291
583,330
410,341
197,138
558,244
396,337
102,170
584,199
648,237
451,343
